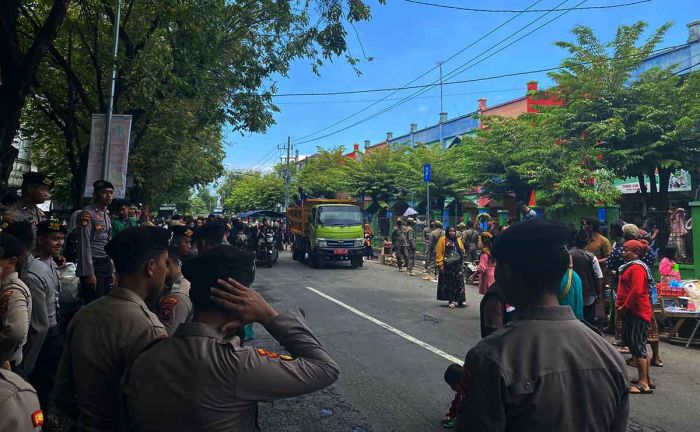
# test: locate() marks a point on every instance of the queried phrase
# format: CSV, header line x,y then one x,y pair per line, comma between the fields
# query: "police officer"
x,y
36,189
426,242
106,335
400,243
43,321
18,404
182,240
201,378
94,266
175,305
15,301
208,236
411,245
470,239
581,382
435,235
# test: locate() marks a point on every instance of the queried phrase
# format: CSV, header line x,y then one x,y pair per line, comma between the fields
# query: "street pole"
x,y
108,126
440,63
287,174
427,192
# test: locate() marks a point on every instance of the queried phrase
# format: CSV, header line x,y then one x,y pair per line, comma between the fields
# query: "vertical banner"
x,y
118,153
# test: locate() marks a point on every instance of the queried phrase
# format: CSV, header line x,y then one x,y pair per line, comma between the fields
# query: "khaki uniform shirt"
x,y
398,237
434,238
198,381
410,240
546,372
39,278
102,340
95,231
176,307
19,405
19,211
15,311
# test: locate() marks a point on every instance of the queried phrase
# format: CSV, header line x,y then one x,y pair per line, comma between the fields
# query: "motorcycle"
x,y
267,249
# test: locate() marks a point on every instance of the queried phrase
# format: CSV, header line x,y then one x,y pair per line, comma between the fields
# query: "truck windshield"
x,y
339,215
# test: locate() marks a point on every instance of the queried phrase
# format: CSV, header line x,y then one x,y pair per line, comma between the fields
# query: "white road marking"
x,y
408,337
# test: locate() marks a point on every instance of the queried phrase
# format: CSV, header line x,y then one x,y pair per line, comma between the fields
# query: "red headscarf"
x,y
639,247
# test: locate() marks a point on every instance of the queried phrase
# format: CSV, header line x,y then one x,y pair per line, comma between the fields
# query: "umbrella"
x,y
410,212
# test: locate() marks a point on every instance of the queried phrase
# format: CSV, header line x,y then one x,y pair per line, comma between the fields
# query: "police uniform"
x,y
546,371
23,210
103,338
430,252
411,246
398,239
201,380
18,404
95,231
176,307
15,312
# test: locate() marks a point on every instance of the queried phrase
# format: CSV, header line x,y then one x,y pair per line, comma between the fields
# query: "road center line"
x,y
394,330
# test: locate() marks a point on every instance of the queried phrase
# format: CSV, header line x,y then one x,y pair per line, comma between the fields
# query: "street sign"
x,y
426,173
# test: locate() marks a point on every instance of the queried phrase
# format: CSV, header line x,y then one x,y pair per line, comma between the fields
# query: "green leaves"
x,y
252,191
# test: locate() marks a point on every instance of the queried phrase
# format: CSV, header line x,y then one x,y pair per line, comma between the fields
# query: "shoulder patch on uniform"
x,y
165,313
85,218
169,301
5,300
273,355
38,418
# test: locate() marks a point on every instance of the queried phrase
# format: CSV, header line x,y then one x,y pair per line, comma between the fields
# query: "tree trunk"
x,y
653,188
662,204
17,71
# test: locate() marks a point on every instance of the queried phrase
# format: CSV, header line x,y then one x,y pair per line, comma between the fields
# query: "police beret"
x,y
181,230
36,178
22,230
49,227
532,244
219,262
142,238
210,229
101,184
10,246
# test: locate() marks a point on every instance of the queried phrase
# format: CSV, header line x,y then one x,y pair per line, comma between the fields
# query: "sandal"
x,y
451,305
640,389
651,385
658,364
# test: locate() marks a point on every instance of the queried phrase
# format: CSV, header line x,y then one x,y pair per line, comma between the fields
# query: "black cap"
x,y
138,238
533,245
36,178
10,246
182,230
22,230
101,184
210,230
219,262
50,227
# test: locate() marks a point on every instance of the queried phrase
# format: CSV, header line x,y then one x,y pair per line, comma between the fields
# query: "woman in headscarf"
x,y
634,307
449,255
487,265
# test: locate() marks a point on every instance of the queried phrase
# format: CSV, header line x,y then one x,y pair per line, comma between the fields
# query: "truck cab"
x,y
327,230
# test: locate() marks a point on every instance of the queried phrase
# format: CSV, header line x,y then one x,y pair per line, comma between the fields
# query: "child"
x,y
369,252
667,266
453,377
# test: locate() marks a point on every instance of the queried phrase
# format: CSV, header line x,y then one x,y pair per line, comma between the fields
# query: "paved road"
x,y
393,342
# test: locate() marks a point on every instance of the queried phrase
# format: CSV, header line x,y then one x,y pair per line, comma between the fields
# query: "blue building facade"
x,y
449,132
685,58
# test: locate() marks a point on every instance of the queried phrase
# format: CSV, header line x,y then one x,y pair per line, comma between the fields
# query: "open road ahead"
x,y
393,341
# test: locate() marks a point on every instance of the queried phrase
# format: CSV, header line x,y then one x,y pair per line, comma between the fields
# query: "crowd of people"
x,y
117,323
129,323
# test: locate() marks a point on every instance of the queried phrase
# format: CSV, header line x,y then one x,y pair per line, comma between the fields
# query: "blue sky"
x,y
406,40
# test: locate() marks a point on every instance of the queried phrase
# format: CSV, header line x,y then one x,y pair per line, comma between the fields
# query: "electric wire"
x,y
468,9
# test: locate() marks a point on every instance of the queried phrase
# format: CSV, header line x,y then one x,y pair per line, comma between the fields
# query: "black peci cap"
x,y
10,246
211,229
101,184
21,230
182,230
141,238
36,178
50,227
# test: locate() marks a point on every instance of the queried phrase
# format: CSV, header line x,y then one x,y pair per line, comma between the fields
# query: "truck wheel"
x,y
356,262
316,261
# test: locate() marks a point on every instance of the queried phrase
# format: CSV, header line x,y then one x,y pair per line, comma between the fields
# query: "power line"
x,y
333,102
468,9
379,90
394,91
451,73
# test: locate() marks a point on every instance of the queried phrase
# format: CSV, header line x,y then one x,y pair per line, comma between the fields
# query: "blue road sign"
x,y
426,173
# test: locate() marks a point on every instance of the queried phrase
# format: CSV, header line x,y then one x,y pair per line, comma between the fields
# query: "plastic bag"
x,y
70,287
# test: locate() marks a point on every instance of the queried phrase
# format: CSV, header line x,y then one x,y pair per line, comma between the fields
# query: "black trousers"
x,y
589,313
103,274
42,377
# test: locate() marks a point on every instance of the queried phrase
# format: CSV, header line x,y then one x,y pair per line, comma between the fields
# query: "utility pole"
x,y
287,174
108,122
440,64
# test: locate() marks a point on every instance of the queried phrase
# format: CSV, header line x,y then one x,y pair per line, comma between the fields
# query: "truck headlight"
x,y
321,243
359,242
